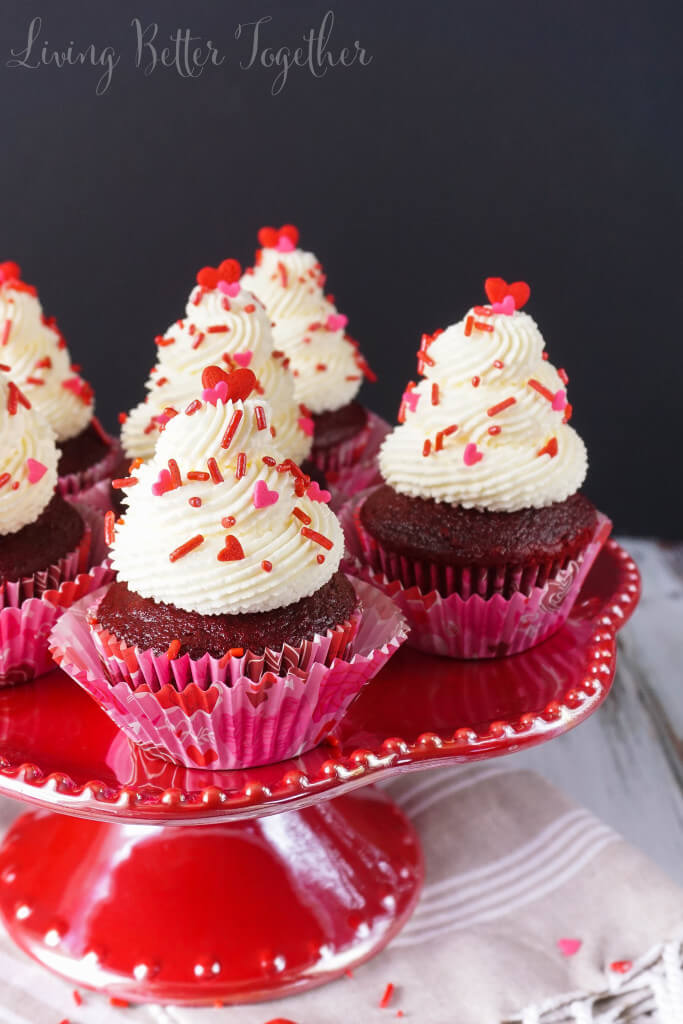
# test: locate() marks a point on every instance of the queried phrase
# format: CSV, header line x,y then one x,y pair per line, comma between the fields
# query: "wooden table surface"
x,y
626,762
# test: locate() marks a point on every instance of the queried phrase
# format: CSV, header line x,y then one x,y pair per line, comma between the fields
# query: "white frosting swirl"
x,y
40,363
327,368
281,564
193,343
28,461
504,455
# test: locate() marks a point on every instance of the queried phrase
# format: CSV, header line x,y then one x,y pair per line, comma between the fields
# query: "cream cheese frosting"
x,y
33,347
224,323
327,366
28,459
487,426
218,521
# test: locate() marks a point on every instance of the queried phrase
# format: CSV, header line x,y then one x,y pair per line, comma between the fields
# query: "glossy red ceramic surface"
x,y
58,749
235,913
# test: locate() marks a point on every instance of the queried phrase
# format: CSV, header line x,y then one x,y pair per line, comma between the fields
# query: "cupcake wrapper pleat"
x,y
489,612
25,629
212,716
72,484
351,466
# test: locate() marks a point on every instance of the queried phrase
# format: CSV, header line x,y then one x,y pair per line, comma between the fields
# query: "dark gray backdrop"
x,y
534,140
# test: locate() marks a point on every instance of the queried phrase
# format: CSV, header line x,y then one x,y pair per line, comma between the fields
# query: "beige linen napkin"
x,y
533,912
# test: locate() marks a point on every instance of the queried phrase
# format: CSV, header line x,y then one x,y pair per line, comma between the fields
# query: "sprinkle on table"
x,y
184,549
386,998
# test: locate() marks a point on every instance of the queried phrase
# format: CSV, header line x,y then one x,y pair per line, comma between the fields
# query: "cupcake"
x,y
44,540
35,351
230,636
480,530
224,324
326,363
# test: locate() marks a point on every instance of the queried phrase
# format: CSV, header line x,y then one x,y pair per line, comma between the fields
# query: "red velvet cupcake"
x,y
230,637
326,362
44,541
39,362
479,528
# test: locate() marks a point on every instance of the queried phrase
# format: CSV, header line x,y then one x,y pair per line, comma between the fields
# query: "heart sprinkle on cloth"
x,y
533,912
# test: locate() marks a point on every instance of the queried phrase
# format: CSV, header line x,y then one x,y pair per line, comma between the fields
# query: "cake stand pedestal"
x,y
284,888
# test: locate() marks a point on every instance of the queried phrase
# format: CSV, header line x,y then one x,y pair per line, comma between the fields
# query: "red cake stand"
x,y
284,887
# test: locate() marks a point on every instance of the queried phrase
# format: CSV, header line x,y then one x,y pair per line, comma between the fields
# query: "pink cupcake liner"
x,y
217,717
25,627
98,496
467,624
73,484
351,466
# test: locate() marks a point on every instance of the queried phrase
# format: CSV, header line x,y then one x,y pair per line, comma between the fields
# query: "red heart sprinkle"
x,y
230,271
497,289
212,375
240,383
232,552
290,232
268,237
207,277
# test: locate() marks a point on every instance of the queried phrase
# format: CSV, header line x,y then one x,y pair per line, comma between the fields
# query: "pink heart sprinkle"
x,y
216,394
243,358
506,307
472,455
568,947
559,400
306,424
285,244
336,321
163,484
411,398
262,497
231,289
316,494
162,419
35,470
